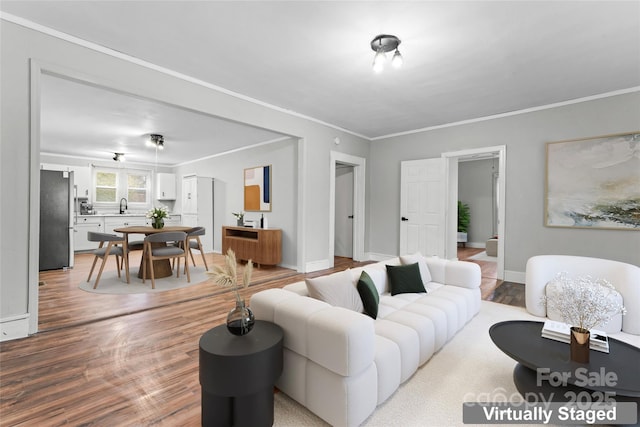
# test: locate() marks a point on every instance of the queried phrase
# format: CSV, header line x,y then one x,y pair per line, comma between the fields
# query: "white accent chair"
x,y
624,277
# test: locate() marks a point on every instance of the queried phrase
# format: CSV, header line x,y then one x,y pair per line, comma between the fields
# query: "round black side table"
x,y
237,375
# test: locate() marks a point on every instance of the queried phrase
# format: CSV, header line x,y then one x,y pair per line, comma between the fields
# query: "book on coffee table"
x,y
560,331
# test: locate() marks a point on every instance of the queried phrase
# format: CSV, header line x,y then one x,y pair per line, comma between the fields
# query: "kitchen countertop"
x,y
120,215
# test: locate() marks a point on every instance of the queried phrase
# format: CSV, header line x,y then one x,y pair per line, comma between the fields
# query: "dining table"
x,y
161,267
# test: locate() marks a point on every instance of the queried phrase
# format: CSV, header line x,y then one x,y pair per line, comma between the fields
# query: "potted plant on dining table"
x,y
157,216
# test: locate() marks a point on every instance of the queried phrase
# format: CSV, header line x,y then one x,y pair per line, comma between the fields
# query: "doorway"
x,y
343,242
357,165
497,183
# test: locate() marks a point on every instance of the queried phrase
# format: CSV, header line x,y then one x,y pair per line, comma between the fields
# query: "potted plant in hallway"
x,y
463,222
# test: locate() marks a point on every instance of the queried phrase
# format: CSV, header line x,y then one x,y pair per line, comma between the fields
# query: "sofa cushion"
x,y
369,294
425,274
405,279
336,289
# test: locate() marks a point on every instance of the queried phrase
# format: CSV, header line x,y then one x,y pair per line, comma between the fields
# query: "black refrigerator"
x,y
56,219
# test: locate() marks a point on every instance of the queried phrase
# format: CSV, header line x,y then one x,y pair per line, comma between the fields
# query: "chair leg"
x,y
153,276
144,263
126,266
186,265
206,267
95,259
118,265
192,260
104,261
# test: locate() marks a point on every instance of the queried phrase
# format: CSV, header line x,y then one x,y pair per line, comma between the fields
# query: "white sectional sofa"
x,y
341,363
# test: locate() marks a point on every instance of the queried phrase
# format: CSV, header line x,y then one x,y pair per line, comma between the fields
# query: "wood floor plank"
x,y
118,360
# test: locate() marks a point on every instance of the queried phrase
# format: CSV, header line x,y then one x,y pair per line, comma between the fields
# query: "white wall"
x,y
19,183
525,136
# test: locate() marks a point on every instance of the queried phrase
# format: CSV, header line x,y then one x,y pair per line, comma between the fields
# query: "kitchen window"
x,y
111,185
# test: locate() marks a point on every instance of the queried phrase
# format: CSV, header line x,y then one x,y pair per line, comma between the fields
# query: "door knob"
x,y
350,217
404,219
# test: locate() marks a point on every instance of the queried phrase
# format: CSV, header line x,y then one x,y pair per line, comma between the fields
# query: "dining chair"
x,y
113,247
156,248
193,242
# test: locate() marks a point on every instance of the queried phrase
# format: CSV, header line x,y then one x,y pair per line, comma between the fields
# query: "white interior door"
x,y
344,211
422,207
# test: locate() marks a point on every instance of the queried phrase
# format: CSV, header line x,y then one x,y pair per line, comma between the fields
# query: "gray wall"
x,y
525,136
474,188
228,174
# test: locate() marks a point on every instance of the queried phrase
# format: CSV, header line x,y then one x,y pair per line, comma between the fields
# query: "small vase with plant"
x,y
239,218
583,303
157,216
240,320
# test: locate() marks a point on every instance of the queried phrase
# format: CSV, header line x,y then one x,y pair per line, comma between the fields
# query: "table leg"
x,y
254,410
161,267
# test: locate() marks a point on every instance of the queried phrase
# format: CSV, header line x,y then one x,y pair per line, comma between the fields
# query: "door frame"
x,y
359,174
451,176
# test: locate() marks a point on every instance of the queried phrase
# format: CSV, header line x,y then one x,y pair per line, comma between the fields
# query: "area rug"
x,y
482,256
110,283
468,368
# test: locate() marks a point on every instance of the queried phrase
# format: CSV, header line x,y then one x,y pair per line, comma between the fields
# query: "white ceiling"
x,y
463,60
91,122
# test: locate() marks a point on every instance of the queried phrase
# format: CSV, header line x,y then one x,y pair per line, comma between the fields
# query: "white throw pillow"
x,y
336,289
425,274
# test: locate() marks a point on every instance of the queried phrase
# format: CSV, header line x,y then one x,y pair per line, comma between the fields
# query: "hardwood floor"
x,y
120,360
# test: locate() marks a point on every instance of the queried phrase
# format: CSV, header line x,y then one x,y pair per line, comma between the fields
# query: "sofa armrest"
x,y
462,274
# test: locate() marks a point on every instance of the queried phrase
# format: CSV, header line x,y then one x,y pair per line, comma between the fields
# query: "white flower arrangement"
x,y
158,212
584,302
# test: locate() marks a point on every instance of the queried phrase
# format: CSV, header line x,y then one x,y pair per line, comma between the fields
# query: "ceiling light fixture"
x,y
382,44
156,140
118,157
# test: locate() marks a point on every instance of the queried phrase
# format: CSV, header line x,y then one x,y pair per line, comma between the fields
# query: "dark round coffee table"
x,y
545,369
237,375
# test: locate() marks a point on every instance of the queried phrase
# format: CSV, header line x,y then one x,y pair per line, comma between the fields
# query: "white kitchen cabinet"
x,y
82,180
173,220
197,206
82,226
165,186
190,194
113,222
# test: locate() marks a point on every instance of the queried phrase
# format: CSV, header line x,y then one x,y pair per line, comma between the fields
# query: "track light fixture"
x,y
385,43
118,157
156,140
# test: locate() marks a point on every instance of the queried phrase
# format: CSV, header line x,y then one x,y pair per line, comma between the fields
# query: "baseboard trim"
x,y
514,276
373,256
312,266
14,327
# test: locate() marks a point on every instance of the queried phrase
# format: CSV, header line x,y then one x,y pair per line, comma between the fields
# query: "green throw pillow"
x,y
405,279
369,294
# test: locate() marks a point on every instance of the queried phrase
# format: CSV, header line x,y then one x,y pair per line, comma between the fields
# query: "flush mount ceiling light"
x,y
156,140
382,44
118,157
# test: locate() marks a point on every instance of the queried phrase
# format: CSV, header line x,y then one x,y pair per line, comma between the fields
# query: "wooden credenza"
x,y
261,245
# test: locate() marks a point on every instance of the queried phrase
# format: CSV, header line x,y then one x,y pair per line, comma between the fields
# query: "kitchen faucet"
x,y
125,205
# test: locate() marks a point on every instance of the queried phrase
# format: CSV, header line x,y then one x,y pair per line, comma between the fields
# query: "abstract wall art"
x,y
257,189
594,182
